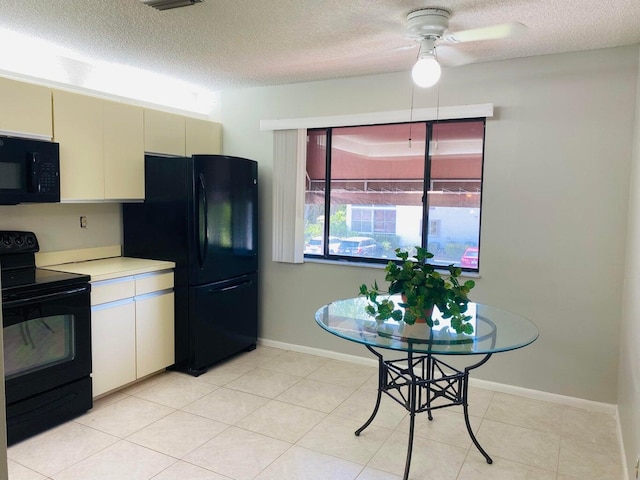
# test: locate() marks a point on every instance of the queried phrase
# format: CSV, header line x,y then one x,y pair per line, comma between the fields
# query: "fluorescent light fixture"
x,y
125,81
167,4
426,72
45,62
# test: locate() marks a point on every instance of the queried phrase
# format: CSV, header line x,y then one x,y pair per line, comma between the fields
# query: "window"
x,y
372,189
373,219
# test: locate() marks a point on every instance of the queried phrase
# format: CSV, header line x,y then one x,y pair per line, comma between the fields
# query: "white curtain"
x,y
289,171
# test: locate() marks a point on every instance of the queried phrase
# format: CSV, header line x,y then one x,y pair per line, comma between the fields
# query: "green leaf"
x,y
467,328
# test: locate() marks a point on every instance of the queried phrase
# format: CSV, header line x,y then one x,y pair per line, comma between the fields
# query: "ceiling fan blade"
x,y
405,47
492,32
450,56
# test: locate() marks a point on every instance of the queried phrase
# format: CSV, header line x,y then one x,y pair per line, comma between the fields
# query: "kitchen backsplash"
x,y
57,226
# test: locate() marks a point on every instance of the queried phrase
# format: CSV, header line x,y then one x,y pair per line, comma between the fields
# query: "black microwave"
x,y
29,171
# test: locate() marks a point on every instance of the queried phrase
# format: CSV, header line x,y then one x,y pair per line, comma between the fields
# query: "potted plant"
x,y
422,288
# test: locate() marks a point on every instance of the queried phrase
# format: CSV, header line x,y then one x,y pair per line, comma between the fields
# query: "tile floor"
x,y
273,414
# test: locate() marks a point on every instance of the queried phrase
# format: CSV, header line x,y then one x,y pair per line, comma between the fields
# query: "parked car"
x,y
359,247
315,245
469,258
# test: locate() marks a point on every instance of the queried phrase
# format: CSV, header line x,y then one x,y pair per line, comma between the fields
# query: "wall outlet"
x,y
83,222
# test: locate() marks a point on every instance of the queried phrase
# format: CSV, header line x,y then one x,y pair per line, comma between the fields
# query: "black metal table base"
x,y
415,383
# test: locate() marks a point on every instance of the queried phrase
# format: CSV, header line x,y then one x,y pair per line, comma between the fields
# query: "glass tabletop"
x,y
494,330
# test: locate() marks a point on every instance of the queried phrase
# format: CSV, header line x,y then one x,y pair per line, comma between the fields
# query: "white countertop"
x,y
108,268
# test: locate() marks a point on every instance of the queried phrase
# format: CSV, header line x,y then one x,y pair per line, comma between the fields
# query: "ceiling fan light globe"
x,y
426,72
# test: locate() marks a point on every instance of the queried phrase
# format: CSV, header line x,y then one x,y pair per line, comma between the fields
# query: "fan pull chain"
x,y
413,89
435,143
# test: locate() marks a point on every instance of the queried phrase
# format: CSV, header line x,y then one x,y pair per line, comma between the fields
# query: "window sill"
x,y
379,266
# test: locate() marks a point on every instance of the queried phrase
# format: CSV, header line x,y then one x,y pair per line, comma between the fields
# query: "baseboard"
x,y
369,362
623,454
545,396
484,384
474,382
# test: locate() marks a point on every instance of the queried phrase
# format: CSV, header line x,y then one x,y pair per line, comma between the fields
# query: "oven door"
x,y
47,340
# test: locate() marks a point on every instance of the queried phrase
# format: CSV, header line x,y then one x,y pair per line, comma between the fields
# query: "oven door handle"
x,y
46,297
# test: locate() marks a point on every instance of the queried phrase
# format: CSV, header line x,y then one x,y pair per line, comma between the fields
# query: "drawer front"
x,y
153,282
112,290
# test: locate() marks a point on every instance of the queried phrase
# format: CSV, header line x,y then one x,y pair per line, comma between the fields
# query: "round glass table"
x,y
419,380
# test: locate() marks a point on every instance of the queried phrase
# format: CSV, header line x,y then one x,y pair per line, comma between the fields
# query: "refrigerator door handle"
x,y
232,287
203,233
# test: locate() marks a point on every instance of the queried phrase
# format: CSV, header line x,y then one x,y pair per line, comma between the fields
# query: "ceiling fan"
x,y
430,26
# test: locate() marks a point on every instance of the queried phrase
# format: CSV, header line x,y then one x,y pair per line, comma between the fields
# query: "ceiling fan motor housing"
x,y
428,22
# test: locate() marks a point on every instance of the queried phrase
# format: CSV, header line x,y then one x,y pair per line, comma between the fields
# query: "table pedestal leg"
x,y
465,403
436,380
412,413
382,374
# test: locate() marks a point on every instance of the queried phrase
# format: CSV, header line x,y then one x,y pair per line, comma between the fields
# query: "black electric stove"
x,y
32,280
18,267
46,320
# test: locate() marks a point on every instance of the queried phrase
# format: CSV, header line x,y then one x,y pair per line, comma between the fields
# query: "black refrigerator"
x,y
201,212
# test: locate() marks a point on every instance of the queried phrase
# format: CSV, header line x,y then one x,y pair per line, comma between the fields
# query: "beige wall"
x,y
557,165
57,226
553,244
629,377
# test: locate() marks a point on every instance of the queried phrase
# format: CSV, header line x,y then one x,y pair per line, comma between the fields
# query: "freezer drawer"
x,y
223,320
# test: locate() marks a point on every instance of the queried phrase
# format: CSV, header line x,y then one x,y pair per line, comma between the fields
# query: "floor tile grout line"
x,y
355,390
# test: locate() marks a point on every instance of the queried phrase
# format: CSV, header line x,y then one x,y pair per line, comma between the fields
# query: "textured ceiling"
x,y
223,44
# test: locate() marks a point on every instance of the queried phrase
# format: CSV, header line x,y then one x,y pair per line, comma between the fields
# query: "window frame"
x,y
427,184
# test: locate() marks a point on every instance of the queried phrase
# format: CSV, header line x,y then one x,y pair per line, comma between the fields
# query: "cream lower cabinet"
x,y
132,321
113,344
154,333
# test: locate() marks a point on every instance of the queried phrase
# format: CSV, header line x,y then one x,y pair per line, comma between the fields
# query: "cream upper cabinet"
x,y
78,128
26,108
203,137
101,148
164,132
123,151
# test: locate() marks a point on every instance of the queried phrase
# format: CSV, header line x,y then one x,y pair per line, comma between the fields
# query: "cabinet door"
x,y
26,108
164,133
202,137
123,152
154,332
113,344
78,127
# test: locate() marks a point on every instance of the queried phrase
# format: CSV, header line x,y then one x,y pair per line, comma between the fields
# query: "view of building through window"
x,y
389,187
